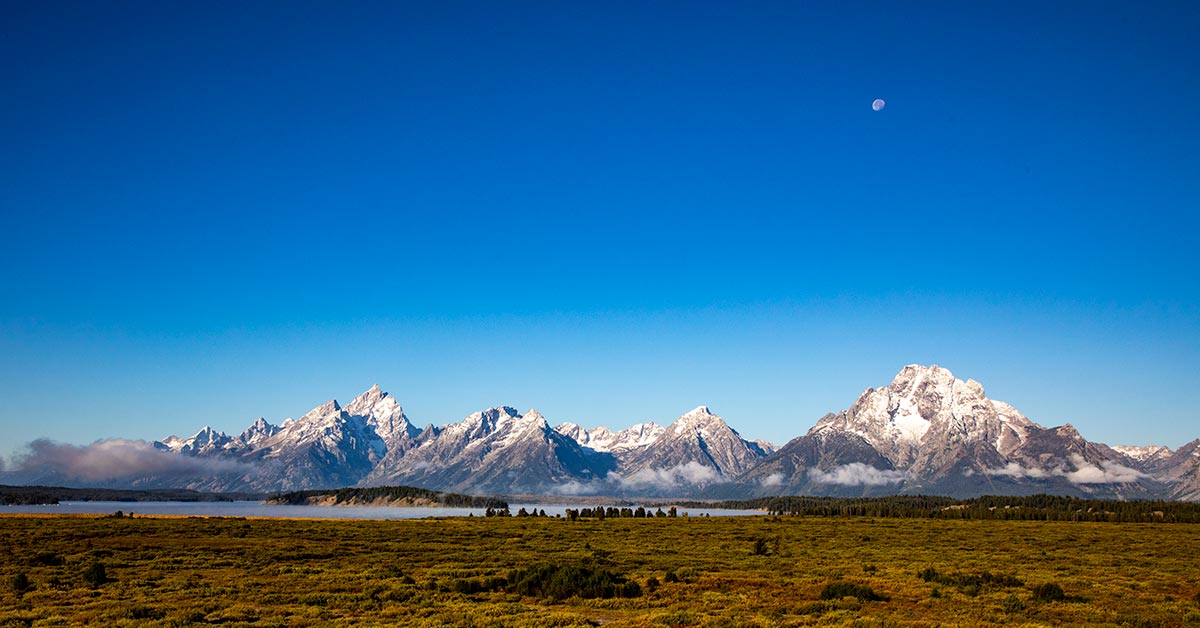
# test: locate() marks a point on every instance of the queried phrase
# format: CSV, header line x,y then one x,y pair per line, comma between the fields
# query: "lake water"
x,y
257,509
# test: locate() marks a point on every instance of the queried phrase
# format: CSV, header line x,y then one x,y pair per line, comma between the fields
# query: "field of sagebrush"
x,y
756,571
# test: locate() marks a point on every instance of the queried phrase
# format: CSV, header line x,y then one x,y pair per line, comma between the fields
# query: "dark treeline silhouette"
x,y
38,495
614,512
352,495
1025,508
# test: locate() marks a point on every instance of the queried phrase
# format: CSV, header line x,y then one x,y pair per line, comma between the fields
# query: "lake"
x,y
257,509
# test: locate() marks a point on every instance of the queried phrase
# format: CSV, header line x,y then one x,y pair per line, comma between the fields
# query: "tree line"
x,y
43,495
351,495
1002,507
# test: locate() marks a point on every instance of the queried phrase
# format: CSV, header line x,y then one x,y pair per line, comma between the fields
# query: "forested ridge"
x,y
352,495
1023,508
37,495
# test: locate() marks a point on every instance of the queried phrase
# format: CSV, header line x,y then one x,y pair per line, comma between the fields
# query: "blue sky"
x,y
612,212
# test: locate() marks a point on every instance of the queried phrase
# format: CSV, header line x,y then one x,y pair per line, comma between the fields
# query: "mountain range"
x,y
926,432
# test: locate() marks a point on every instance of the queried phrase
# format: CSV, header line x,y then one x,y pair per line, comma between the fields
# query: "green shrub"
x,y
814,608
559,582
971,584
677,618
48,559
144,612
1048,592
839,590
315,599
1013,604
20,583
95,575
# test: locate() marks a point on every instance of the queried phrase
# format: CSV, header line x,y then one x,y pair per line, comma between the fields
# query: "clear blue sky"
x,y
611,212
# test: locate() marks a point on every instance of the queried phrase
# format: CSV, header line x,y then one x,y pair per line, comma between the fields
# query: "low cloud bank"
x,y
114,460
647,480
683,474
575,487
856,474
1016,471
775,479
1084,472
1104,473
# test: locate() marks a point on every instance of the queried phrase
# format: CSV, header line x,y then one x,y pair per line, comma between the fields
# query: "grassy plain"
x,y
756,571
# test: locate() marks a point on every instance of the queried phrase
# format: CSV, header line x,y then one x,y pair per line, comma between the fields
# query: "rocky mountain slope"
x,y
925,432
928,432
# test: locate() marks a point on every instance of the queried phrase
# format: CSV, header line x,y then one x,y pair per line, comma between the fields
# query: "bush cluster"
x,y
559,582
1048,592
839,590
95,574
971,584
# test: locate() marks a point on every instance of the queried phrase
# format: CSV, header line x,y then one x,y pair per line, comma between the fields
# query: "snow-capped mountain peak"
x,y
925,432
1144,454
384,414
258,432
320,413
205,441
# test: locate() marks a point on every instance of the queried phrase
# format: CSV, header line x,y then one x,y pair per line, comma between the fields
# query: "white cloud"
x,y
775,479
113,460
689,473
1084,472
1110,473
575,487
856,474
1014,470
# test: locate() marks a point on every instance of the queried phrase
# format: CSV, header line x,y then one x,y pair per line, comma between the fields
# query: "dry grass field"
x,y
756,571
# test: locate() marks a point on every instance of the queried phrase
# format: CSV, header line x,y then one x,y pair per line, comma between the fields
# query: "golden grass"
x,y
177,571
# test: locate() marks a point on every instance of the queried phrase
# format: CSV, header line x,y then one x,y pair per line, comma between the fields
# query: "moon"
x,y
879,104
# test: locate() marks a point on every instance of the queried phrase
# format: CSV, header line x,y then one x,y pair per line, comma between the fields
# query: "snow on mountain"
x,y
698,449
929,432
497,450
925,432
329,446
257,433
1180,470
1143,454
383,414
206,441
603,439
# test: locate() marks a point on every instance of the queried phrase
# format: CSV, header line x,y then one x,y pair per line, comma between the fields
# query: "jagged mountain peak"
x,y
258,432
320,412
928,402
925,432
370,397
204,441
1067,430
383,413
700,418
1144,453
